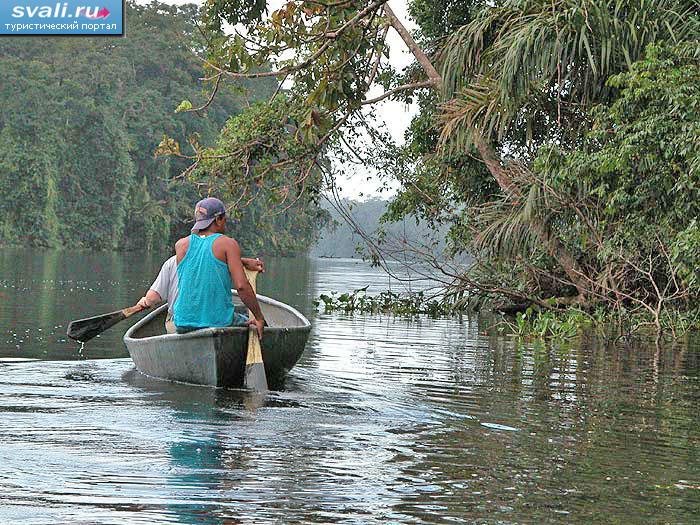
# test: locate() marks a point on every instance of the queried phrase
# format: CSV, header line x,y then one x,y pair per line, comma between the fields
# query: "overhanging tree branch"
x,y
491,158
330,37
405,87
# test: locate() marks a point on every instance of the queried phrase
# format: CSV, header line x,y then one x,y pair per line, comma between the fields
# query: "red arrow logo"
x,y
103,12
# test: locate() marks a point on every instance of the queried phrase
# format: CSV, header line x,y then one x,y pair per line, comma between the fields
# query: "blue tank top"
x,y
204,282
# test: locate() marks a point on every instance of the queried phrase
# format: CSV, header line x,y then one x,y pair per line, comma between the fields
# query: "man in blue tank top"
x,y
209,264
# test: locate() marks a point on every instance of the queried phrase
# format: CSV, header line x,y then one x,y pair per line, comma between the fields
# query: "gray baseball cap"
x,y
206,211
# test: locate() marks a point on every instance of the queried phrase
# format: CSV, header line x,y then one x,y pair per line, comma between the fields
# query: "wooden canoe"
x,y
217,356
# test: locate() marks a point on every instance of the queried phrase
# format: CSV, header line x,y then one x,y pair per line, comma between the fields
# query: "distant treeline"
x,y
81,120
341,239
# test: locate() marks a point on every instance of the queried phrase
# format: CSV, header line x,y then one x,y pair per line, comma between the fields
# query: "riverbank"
x,y
557,324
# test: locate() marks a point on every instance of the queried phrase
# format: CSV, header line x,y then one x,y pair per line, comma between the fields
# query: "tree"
x,y
512,80
626,199
330,56
78,167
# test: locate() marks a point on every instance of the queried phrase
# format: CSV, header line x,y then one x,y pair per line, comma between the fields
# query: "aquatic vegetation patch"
x,y
615,325
385,302
535,323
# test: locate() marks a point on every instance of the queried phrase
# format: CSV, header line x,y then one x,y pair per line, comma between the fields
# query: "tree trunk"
x,y
493,162
421,57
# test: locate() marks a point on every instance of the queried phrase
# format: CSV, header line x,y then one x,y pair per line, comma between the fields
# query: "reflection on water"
x,y
40,293
383,420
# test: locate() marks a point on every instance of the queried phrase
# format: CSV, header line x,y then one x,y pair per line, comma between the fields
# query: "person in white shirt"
x,y
164,288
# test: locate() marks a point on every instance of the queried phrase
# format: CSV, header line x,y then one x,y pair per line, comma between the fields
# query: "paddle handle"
x,y
252,276
254,352
131,310
255,378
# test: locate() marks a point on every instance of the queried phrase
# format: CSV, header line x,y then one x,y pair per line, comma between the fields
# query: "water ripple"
x,y
385,420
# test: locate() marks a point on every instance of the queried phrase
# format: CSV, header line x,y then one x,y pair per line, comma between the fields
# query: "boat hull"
x,y
216,356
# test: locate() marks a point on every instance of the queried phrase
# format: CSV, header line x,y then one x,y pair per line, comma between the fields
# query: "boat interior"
x,y
277,315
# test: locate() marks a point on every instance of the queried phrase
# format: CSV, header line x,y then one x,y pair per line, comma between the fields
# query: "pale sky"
x,y
396,115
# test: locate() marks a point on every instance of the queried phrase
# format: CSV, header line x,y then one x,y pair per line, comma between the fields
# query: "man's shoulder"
x,y
182,244
225,247
225,239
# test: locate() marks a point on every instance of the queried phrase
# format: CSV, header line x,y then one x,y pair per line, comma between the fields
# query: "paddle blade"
x,y
255,378
85,329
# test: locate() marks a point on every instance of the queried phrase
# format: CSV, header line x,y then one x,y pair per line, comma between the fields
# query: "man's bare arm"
x,y
245,291
150,299
181,247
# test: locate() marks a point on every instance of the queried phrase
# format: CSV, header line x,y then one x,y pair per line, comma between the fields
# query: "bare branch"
x,y
405,87
211,97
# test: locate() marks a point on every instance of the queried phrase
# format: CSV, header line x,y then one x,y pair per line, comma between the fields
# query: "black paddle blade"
x,y
85,329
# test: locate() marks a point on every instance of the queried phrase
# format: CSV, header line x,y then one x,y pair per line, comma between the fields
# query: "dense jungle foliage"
x,y
557,139
594,108
81,120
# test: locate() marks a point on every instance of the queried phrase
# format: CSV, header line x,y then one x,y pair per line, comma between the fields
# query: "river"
x,y
384,420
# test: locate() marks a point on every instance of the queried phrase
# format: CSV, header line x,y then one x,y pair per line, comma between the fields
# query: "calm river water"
x,y
384,420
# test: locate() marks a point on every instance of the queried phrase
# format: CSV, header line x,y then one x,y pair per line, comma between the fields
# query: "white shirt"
x,y
166,282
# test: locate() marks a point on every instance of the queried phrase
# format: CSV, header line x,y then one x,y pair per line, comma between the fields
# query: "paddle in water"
x,y
255,377
85,329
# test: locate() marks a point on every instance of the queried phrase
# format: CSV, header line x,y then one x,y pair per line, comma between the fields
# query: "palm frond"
x,y
505,227
524,59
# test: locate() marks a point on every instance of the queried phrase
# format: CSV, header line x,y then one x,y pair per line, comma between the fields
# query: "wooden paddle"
x,y
85,329
255,377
